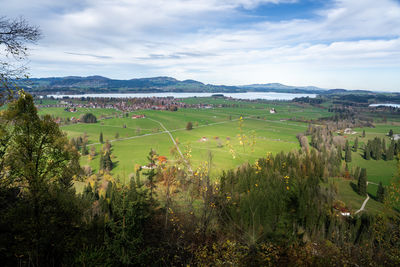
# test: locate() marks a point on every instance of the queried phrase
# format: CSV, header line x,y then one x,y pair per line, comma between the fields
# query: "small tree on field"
x,y
390,133
189,126
362,182
380,193
101,138
84,149
363,134
355,146
347,156
88,118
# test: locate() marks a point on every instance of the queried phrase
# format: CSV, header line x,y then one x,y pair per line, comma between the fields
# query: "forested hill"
x,y
99,84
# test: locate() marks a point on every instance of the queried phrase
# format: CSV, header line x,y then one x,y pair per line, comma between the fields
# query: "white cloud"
x,y
192,39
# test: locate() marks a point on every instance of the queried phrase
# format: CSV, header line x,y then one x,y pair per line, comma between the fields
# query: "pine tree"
x,y
384,146
152,172
367,151
347,156
362,182
380,193
108,164
390,133
84,149
102,165
390,151
101,138
363,134
356,145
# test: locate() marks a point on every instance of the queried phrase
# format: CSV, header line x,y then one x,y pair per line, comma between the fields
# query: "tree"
x,y
362,182
363,133
88,118
116,135
15,34
355,145
189,126
101,138
390,133
367,151
85,151
39,165
380,193
347,156
390,151
151,174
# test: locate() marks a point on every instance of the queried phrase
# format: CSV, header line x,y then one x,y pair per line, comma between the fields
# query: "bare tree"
x,y
15,35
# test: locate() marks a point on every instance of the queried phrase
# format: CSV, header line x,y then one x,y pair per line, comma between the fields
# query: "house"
x,y
203,139
272,111
396,137
138,116
349,131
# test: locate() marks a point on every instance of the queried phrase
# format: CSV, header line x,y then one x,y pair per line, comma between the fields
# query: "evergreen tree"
x,y
347,156
102,163
390,133
101,138
151,174
380,193
356,145
362,182
390,151
108,164
363,133
384,146
367,151
85,151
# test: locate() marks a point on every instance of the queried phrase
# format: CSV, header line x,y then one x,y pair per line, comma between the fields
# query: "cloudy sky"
x,y
352,44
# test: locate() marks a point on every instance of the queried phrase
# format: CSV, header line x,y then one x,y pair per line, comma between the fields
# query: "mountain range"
x,y
100,84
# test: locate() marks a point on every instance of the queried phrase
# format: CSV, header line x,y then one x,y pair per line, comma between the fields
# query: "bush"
x,y
189,126
88,118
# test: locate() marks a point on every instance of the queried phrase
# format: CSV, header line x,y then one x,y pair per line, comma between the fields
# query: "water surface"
x,y
247,95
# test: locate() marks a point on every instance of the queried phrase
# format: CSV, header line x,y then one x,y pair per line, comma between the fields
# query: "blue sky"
x,y
352,44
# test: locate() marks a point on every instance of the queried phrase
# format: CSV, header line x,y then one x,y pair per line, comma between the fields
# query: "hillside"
x,y
99,84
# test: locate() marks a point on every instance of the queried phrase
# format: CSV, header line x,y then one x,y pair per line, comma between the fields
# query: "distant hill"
x,y
278,87
100,84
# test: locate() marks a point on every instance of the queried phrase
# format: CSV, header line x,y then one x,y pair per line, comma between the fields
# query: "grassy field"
x,y
354,201
215,131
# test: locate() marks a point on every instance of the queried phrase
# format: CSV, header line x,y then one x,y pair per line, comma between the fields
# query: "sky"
x,y
352,44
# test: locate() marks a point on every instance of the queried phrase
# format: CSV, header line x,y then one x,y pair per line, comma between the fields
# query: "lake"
x,y
385,105
247,95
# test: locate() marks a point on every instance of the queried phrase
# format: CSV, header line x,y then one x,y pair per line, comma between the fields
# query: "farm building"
x,y
138,116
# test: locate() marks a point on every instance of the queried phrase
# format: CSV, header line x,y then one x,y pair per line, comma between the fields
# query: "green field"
x,y
215,131
214,126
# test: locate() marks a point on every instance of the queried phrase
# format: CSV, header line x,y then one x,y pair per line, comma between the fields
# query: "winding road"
x,y
365,201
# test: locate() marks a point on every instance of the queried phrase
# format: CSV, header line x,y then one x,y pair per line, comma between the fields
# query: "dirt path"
x,y
363,205
365,201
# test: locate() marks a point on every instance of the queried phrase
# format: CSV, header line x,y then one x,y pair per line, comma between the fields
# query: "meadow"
x,y
216,134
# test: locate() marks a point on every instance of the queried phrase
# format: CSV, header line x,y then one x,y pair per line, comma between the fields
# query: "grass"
x,y
61,113
354,201
272,132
